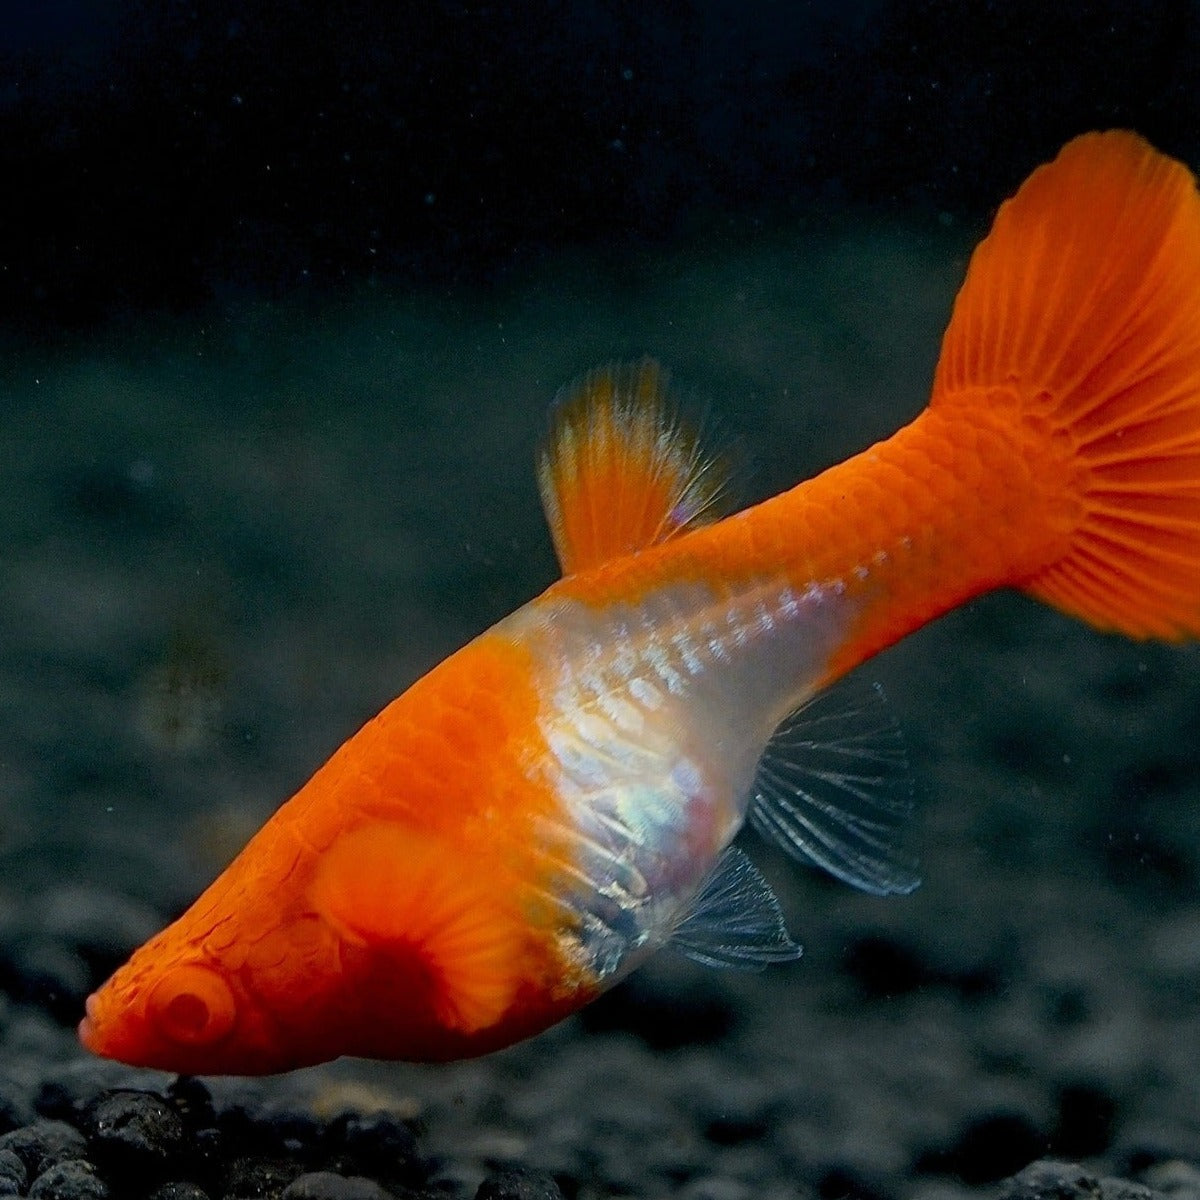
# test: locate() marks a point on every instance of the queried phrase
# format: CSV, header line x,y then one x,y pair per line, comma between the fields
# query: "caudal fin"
x,y
1084,300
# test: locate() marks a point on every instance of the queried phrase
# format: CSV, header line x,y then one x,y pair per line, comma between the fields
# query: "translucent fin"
x,y
1082,306
834,788
401,894
735,920
619,471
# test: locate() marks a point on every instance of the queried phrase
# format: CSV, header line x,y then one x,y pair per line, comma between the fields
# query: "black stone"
x,y
252,1176
519,1184
325,1185
192,1100
44,1143
379,1144
1052,1180
179,1190
14,1175
73,1179
134,1133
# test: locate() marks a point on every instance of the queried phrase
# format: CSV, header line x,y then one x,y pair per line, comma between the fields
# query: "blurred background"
x,y
168,155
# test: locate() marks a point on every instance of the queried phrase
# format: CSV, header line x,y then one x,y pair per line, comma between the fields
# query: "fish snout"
x,y
88,1030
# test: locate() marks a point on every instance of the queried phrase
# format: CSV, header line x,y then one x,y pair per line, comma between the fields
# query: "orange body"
x,y
555,801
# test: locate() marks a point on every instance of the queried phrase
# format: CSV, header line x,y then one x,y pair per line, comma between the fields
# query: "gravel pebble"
x,y
179,1190
378,1144
74,1179
14,1176
325,1185
45,1143
192,1100
133,1133
1048,1179
519,1184
260,1176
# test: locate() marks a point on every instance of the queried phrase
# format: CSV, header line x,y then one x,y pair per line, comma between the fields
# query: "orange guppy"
x,y
555,801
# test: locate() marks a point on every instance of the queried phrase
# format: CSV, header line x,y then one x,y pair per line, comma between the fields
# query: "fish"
x,y
557,800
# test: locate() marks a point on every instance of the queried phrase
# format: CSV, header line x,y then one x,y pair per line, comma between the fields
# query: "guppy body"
x,y
506,839
556,800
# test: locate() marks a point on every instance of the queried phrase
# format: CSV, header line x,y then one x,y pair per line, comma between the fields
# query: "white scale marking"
x,y
686,649
622,713
656,655
645,693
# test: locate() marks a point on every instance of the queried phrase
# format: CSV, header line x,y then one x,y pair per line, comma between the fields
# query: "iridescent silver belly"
x,y
655,716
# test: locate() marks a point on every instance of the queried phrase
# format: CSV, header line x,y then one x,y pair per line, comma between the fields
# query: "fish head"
x,y
246,1008
245,982
176,1018
384,945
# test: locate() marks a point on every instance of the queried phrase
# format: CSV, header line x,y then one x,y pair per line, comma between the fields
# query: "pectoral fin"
x,y
398,893
735,919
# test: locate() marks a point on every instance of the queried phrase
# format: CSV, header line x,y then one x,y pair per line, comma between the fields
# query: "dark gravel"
x,y
1054,1180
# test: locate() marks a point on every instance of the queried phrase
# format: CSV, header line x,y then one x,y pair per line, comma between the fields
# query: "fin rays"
x,y
833,788
1083,304
620,471
735,919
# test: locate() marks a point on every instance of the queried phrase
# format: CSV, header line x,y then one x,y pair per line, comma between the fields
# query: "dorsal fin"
x,y
834,788
619,470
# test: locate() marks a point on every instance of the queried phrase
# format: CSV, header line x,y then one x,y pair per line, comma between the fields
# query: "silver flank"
x,y
655,716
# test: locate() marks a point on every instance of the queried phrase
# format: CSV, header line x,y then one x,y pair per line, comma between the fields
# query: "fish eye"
x,y
192,1005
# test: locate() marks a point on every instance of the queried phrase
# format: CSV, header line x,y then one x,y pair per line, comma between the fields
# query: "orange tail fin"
x,y
1083,306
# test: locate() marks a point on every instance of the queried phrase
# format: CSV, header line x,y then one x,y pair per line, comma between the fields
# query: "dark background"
x,y
159,153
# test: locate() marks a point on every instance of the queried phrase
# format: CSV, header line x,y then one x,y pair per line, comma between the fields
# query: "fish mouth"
x,y
88,1033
